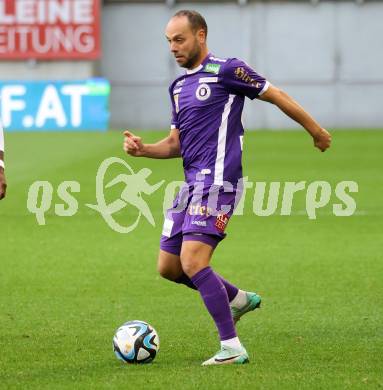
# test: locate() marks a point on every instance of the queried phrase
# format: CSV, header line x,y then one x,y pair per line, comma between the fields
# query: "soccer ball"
x,y
136,342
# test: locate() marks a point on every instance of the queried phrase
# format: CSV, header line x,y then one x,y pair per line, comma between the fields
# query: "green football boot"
x,y
228,355
253,302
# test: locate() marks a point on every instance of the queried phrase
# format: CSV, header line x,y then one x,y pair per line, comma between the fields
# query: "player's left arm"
x,y
321,137
3,183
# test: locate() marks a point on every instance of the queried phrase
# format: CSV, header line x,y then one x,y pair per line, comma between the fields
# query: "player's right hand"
x,y
3,184
322,140
133,144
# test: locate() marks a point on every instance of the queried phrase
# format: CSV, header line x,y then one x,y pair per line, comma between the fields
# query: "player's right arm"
x,y
168,147
3,183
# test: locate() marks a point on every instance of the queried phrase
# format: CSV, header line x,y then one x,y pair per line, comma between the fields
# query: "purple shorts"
x,y
198,215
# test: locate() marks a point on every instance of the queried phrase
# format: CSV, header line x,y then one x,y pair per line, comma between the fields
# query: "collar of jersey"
x,y
195,70
200,66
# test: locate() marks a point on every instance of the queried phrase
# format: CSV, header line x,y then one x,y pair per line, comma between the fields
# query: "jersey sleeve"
x,y
239,78
174,120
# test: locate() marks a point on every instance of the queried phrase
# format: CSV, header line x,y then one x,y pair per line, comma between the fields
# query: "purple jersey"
x,y
207,107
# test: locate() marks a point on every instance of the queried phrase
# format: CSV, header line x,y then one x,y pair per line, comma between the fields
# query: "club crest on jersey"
x,y
203,92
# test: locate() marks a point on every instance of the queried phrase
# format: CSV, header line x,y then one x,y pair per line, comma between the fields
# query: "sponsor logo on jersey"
x,y
241,74
212,68
203,92
199,223
197,209
221,222
208,80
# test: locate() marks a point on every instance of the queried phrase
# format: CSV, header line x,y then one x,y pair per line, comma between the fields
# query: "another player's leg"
x,y
195,260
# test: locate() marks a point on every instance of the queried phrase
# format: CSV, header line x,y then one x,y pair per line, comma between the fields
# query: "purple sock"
x,y
231,290
214,295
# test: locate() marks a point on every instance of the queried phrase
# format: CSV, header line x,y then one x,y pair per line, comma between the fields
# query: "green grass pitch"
x,y
66,286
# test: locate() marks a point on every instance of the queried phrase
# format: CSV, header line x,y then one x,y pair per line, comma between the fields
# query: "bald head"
x,y
195,19
186,33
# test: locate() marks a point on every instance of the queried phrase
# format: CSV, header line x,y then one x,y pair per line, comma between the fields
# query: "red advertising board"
x,y
49,29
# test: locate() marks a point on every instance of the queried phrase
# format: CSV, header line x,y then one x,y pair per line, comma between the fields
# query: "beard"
x,y
192,58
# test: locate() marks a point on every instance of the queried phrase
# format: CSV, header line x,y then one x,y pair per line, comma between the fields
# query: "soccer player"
x,y
206,131
3,183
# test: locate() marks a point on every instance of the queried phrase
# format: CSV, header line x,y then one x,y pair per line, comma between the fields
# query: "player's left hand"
x,y
3,184
322,140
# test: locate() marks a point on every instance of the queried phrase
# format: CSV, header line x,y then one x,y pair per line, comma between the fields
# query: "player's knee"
x,y
165,271
189,269
191,264
195,256
168,266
